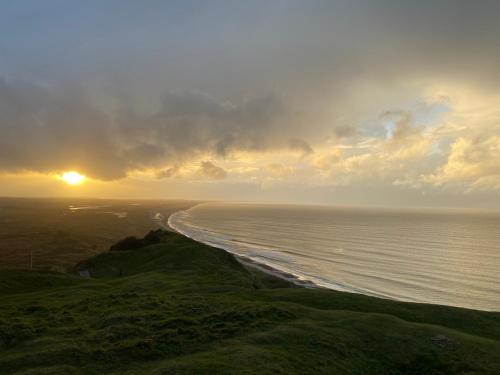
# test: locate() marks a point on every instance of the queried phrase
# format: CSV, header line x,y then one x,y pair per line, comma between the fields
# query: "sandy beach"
x,y
245,261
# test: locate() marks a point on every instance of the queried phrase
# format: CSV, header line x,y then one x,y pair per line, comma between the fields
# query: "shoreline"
x,y
245,261
268,269
291,278
298,280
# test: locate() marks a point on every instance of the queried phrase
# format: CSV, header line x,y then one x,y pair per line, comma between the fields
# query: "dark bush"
x,y
132,243
129,243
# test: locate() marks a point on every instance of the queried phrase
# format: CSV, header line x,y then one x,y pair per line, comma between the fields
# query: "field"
x,y
180,307
55,234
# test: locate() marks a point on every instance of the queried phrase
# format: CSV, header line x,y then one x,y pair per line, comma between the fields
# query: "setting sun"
x,y
73,178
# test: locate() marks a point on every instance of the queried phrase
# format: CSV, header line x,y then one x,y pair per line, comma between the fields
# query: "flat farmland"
x,y
55,234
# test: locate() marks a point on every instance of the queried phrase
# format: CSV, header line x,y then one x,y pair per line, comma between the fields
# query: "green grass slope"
x,y
180,307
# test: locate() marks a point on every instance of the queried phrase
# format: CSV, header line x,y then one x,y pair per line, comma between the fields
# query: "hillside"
x,y
180,307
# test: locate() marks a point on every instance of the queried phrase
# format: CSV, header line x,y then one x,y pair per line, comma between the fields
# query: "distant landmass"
x,y
56,233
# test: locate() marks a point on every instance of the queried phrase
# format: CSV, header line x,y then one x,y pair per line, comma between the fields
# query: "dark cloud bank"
x,y
52,130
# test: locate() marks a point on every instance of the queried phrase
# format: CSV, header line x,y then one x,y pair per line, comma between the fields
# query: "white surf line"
x,y
245,261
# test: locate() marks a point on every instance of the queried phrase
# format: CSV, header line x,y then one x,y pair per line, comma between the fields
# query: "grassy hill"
x,y
180,307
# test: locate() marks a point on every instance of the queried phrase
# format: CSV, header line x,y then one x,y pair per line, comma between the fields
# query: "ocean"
x,y
447,257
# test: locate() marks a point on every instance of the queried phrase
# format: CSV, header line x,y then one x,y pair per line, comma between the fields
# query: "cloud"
x,y
50,130
399,145
192,122
300,145
145,155
473,163
210,170
279,170
167,173
326,160
343,131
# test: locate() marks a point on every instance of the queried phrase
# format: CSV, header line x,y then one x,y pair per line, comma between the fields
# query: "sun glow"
x,y
73,178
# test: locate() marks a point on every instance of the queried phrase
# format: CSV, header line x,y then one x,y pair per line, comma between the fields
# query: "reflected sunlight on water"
x,y
449,257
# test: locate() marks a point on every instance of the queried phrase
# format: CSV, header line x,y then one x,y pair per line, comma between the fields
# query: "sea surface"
x,y
448,257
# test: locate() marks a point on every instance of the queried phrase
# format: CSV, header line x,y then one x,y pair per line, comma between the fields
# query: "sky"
x,y
380,102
